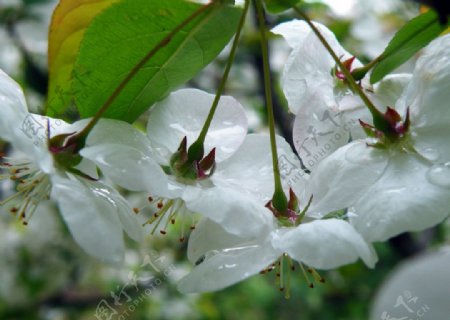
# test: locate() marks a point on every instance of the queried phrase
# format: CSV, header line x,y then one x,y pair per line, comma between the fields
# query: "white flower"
x,y
95,214
399,181
143,163
223,259
327,111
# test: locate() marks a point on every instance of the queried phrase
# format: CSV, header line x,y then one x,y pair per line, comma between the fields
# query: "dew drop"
x,y
439,175
431,154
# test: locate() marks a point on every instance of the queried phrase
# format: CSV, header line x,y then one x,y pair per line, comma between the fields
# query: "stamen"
x,y
310,284
168,212
316,275
33,186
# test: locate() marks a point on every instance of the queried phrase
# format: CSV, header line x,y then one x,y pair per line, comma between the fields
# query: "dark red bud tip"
x,y
349,62
365,124
348,65
205,167
183,144
293,201
208,162
392,117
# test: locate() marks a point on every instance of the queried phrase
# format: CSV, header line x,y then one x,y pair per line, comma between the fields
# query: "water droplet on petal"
x,y
431,154
439,175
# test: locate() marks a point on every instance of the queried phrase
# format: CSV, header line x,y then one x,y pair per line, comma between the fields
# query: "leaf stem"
x,y
164,42
349,77
279,200
196,150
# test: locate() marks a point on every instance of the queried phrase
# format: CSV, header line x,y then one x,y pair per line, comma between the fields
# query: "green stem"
x,y
279,200
196,150
356,88
164,42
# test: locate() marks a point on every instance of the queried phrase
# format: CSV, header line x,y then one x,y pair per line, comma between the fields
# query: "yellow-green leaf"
x,y
69,22
123,34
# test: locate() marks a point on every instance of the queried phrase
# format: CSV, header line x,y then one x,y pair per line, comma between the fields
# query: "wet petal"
x,y
238,213
309,66
389,90
318,131
344,176
13,106
403,199
325,244
250,168
208,236
91,216
222,268
130,168
184,112
128,218
294,32
428,97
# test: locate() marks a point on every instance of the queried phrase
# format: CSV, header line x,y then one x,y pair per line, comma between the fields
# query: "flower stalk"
x,y
196,150
279,200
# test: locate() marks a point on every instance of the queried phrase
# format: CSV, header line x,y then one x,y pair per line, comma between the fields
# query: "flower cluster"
x,y
367,179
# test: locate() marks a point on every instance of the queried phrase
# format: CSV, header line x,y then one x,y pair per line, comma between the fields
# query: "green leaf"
x,y
277,6
415,35
69,22
124,33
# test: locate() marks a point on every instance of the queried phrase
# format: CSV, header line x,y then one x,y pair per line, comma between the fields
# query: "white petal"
x,y
208,236
428,97
88,167
130,168
13,106
325,244
421,283
250,168
238,213
294,32
344,176
309,67
27,132
91,216
184,112
124,154
222,268
318,131
117,132
128,218
401,200
389,90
